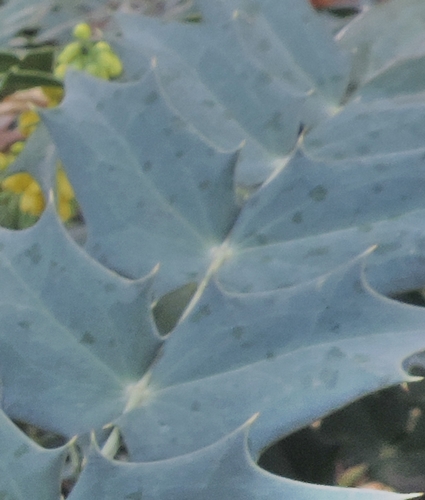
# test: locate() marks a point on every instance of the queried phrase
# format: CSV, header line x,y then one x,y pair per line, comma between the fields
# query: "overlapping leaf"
x,y
223,470
63,318
154,188
248,73
28,470
149,187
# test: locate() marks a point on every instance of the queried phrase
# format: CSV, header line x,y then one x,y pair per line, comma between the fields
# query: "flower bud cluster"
x,y
96,58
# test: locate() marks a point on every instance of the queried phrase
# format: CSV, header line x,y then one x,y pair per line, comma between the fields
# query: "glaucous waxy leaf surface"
x,y
286,354
285,324
150,187
223,470
246,72
82,332
26,469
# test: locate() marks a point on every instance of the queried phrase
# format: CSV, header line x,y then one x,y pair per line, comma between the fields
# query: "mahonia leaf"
x,y
224,470
78,345
291,355
26,469
15,15
314,215
149,188
237,47
82,332
388,33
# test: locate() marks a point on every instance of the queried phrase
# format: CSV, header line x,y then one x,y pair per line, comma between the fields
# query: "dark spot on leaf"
x,y
204,185
269,355
110,287
264,78
275,122
358,286
238,331
87,338
315,143
147,166
335,353
208,103
179,153
263,45
364,149
317,252
297,218
200,313
381,167
33,253
335,327
378,188
137,495
195,406
365,228
318,193
24,324
21,450
151,97
261,239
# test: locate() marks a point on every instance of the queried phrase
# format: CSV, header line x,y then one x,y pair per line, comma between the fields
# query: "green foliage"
x,y
255,189
34,68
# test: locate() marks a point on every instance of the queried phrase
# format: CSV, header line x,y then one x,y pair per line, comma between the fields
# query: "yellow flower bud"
x,y
82,31
96,70
17,183
102,46
65,190
69,53
32,203
4,161
28,121
33,188
17,147
65,210
53,94
60,70
110,62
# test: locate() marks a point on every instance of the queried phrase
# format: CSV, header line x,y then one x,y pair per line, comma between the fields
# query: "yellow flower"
x,y
65,194
54,95
17,183
28,121
32,200
65,190
65,210
82,31
4,160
